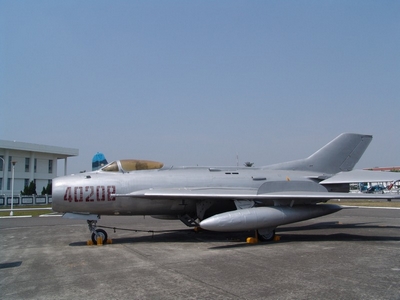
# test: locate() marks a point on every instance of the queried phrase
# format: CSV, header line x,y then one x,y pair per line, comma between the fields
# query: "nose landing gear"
x,y
96,233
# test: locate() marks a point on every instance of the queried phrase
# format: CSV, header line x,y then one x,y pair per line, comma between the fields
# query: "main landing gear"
x,y
263,235
96,233
266,235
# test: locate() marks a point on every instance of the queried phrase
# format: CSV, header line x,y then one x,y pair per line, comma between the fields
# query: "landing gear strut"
x,y
96,232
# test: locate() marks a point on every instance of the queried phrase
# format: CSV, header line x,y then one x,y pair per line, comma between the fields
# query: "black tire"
x,y
266,237
100,232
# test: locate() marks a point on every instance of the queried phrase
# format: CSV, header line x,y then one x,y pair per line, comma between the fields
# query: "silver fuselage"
x,y
94,192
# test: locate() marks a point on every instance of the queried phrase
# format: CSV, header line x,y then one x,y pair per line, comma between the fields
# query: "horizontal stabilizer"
x,y
362,176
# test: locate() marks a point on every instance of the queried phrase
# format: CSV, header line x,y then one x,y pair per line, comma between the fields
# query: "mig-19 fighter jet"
x,y
221,199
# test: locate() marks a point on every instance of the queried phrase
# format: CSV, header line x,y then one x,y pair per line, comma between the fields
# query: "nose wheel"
x,y
99,233
96,233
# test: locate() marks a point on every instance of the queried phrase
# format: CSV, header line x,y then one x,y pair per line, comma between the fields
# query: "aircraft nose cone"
x,y
59,187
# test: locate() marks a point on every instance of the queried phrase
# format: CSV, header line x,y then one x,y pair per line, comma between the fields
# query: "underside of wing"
x,y
193,193
248,194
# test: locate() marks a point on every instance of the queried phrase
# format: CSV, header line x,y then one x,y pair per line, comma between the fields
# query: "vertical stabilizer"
x,y
341,154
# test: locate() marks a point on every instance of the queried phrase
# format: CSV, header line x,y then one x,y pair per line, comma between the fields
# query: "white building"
x,y
32,162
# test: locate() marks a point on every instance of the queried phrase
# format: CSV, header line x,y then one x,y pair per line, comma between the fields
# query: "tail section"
x,y
98,161
341,154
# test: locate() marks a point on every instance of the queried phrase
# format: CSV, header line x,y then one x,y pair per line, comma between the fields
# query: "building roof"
x,y
59,151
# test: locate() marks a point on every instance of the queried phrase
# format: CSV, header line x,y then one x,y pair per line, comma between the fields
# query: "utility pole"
x,y
2,182
12,187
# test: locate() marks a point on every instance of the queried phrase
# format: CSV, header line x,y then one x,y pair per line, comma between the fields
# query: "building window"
x,y
9,163
1,183
26,164
34,165
8,184
1,163
50,166
26,182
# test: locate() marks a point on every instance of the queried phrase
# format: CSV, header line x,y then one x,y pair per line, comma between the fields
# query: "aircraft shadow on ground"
x,y
176,236
298,234
238,239
335,225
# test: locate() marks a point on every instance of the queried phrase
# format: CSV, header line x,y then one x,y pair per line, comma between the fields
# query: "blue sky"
x,y
198,82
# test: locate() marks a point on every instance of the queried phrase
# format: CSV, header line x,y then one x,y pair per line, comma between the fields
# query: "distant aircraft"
x,y
221,198
98,161
378,188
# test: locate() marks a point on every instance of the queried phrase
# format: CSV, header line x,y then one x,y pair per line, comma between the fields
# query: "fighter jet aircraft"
x,y
221,198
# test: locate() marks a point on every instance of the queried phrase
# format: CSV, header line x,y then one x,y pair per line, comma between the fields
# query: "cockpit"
x,y
128,165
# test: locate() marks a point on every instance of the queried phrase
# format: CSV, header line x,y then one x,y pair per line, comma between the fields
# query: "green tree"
x,y
47,190
29,189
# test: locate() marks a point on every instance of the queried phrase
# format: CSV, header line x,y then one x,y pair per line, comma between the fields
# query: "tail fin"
x,y
98,161
341,154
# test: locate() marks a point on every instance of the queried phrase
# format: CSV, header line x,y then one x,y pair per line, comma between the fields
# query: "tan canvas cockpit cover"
x,y
128,165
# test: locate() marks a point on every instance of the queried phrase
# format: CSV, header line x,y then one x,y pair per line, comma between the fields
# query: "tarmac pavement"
x,y
352,254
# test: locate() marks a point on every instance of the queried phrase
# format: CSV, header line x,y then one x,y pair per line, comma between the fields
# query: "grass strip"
x,y
33,213
366,202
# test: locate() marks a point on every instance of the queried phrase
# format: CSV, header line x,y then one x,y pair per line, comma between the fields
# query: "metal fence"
x,y
19,200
